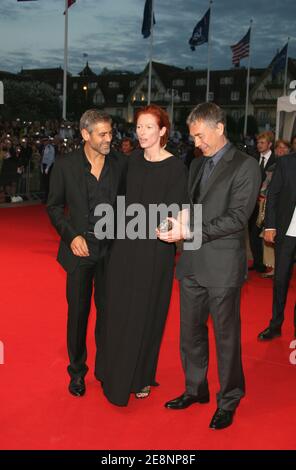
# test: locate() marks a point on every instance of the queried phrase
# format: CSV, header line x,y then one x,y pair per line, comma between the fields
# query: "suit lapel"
x,y
114,176
218,170
78,171
270,161
196,177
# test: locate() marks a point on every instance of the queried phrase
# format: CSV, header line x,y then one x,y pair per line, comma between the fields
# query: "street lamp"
x,y
85,89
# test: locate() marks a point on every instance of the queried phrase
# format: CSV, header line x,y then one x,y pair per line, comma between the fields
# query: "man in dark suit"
x,y
79,183
266,158
225,182
280,227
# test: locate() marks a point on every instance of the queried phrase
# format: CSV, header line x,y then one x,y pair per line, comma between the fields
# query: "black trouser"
x,y
256,242
224,305
90,272
285,250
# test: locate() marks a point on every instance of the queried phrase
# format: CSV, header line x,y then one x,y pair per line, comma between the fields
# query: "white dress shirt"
x,y
291,232
266,156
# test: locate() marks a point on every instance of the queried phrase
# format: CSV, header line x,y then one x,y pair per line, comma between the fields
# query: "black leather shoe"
x,y
77,386
221,419
261,268
269,333
185,400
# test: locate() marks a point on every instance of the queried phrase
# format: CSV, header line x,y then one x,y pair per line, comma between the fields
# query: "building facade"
x,y
121,93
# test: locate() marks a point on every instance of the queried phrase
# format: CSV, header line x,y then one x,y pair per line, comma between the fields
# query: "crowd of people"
x,y
28,151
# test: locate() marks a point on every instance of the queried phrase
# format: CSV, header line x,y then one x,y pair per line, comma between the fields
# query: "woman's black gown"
x,y
139,284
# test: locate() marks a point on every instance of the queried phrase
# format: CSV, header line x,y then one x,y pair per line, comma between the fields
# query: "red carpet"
x,y
36,410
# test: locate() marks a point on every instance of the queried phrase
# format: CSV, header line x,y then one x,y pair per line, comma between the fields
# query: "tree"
x,y
252,125
231,128
30,101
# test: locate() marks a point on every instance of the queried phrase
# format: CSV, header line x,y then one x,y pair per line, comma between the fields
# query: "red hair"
x,y
162,119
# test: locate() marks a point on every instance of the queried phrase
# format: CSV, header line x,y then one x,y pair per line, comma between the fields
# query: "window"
x,y
211,96
119,98
263,116
252,79
59,86
261,94
113,85
75,86
178,82
119,112
186,96
234,96
132,83
201,81
235,114
92,85
99,98
153,82
226,81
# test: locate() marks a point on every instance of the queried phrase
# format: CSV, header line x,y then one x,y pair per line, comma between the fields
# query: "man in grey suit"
x,y
226,182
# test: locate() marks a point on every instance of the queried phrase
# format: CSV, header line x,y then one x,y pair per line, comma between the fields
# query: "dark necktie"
x,y
262,167
208,168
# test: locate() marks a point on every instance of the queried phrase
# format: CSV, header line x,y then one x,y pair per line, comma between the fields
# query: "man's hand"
x,y
79,246
175,234
269,235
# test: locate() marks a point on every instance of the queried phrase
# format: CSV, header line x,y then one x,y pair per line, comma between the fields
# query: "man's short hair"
x,y
211,113
267,135
91,117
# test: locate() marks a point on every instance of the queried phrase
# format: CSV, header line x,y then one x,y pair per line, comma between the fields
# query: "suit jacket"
x,y
281,196
68,190
228,199
270,162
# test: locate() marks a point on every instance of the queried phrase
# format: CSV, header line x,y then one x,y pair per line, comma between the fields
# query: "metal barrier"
x,y
28,186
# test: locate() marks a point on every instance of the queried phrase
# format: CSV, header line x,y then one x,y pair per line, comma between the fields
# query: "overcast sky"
x,y
109,31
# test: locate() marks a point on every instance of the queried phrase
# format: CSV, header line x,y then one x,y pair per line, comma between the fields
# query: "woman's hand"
x,y
180,230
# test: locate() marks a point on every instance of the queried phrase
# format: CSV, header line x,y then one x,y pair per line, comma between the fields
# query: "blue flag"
x,y
279,62
200,33
146,26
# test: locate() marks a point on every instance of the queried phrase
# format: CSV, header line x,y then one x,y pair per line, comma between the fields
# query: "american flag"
x,y
241,49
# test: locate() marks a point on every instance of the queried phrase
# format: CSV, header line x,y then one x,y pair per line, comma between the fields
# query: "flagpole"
x,y
65,62
209,54
150,53
286,69
248,85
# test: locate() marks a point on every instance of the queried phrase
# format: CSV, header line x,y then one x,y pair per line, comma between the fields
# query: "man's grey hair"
x,y
211,113
91,117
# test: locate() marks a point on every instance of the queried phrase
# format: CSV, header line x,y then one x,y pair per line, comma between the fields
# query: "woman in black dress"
x,y
140,272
